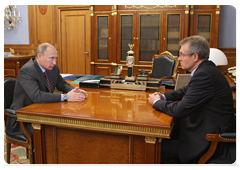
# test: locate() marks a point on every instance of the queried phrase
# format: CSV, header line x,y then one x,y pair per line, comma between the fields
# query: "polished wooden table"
x,y
109,127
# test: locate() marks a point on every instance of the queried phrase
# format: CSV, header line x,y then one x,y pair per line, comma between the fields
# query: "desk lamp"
x,y
218,57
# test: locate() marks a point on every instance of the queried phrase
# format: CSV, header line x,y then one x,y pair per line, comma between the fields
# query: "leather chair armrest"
x,y
228,136
10,113
224,137
215,138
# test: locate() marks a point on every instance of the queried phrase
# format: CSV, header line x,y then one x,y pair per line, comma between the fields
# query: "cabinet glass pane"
x,y
149,36
102,26
173,33
204,26
126,34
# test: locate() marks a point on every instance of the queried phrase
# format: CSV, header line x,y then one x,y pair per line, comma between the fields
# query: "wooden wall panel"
x,y
231,57
103,70
44,31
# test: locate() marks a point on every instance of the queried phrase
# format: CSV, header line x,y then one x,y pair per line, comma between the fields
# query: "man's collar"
x,y
194,70
43,70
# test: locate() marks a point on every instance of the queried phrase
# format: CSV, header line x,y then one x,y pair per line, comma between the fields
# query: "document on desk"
x,y
90,83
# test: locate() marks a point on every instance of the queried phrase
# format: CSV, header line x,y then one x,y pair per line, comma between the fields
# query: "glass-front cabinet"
x,y
101,43
102,37
204,26
149,36
152,29
151,33
126,35
204,21
173,33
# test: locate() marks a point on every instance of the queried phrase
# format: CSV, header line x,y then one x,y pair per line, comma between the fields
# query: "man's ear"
x,y
196,57
39,55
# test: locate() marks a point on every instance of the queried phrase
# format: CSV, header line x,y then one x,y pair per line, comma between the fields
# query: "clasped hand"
x,y
155,96
77,95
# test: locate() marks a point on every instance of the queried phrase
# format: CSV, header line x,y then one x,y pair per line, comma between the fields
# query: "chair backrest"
x,y
9,85
164,65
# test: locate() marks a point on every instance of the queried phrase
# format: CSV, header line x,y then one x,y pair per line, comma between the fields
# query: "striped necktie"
x,y
47,80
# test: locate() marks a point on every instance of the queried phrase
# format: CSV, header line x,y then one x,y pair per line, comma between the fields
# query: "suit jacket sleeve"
x,y
62,85
198,91
34,88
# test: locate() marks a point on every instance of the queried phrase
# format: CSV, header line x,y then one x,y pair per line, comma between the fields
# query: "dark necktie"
x,y
47,80
190,78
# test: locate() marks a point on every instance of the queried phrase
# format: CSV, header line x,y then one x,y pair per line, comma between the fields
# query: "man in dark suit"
x,y
33,86
205,106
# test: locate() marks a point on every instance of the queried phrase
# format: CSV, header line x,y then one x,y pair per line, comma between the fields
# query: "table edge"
x,y
98,126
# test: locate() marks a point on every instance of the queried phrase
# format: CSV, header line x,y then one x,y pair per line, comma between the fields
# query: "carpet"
x,y
18,154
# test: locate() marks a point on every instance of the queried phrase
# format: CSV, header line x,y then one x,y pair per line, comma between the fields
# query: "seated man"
x,y
34,85
205,106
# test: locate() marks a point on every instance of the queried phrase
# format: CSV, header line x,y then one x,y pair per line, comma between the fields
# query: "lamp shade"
x,y
218,57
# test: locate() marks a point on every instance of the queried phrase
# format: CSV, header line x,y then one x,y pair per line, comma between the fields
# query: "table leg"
x,y
37,140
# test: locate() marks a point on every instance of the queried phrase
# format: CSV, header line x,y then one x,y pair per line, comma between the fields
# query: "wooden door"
x,y
75,41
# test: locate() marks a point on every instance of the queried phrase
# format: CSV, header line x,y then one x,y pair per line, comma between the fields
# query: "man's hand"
x,y
77,90
77,95
155,96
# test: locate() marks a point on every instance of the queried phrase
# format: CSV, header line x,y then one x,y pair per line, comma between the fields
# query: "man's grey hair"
x,y
197,44
43,47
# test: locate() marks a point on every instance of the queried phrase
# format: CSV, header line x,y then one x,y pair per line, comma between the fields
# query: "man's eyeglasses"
x,y
182,55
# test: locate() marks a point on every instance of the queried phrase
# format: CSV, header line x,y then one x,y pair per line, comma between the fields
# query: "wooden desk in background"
x,y
13,64
110,127
231,82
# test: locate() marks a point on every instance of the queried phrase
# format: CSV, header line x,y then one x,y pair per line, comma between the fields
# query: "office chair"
x,y
164,65
20,140
215,138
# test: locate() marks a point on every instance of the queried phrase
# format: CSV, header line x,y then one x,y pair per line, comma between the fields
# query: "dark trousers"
x,y
169,153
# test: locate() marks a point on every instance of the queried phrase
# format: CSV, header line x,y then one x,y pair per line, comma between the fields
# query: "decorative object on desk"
x,y
118,70
7,54
218,57
117,73
11,17
12,51
134,85
130,61
130,83
142,75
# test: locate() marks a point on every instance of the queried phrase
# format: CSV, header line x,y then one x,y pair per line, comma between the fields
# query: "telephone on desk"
x,y
234,72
